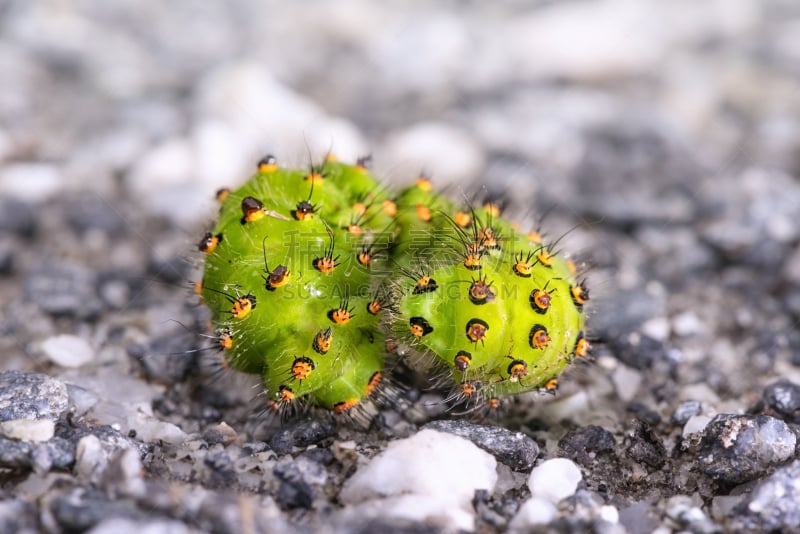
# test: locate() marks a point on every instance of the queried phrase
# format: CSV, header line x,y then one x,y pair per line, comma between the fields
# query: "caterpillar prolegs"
x,y
309,273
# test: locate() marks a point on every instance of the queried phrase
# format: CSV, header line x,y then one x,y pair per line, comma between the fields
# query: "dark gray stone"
x,y
90,211
169,358
641,351
772,504
18,218
392,525
621,312
685,410
63,289
298,478
222,466
19,516
644,446
56,453
111,439
300,434
82,509
739,448
783,398
294,493
15,455
583,444
31,396
7,247
632,173
514,449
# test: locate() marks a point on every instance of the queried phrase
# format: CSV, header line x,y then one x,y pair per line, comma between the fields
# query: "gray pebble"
x,y
300,434
31,396
61,452
168,358
514,449
18,516
222,466
583,444
688,516
297,480
783,397
391,525
64,289
638,517
90,211
738,448
644,446
618,314
641,351
685,410
772,504
15,455
619,159
17,218
83,509
57,453
112,440
7,247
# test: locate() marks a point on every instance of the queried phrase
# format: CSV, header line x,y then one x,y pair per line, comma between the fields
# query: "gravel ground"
x,y
663,138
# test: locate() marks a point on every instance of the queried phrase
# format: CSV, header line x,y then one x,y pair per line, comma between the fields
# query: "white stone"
x,y
131,466
34,182
609,513
28,429
414,507
657,328
687,324
133,526
90,457
431,475
699,391
67,350
148,428
695,424
534,511
554,479
626,382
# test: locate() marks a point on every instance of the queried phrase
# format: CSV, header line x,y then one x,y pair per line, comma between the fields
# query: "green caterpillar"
x,y
499,310
301,266
288,275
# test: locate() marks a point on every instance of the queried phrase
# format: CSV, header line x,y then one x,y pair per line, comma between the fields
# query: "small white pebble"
x,y
28,429
439,469
626,381
554,479
90,458
149,428
695,424
67,350
534,511
131,466
687,324
34,182
609,513
657,328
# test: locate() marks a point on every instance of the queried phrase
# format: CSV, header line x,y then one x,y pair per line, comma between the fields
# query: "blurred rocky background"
x,y
662,137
